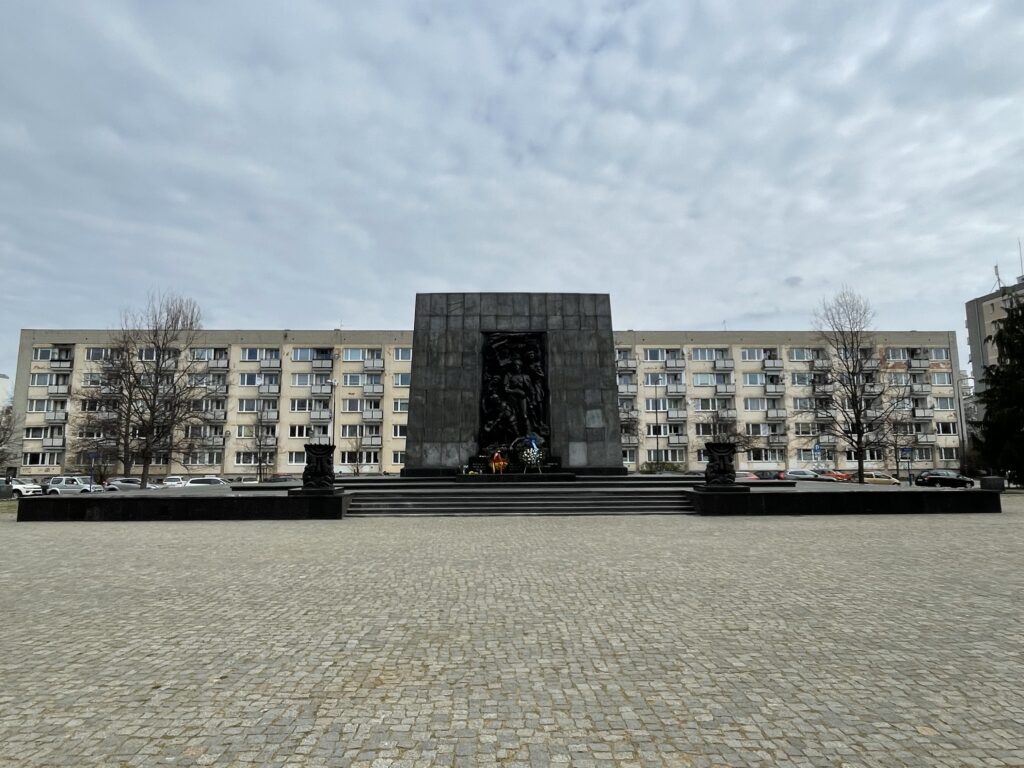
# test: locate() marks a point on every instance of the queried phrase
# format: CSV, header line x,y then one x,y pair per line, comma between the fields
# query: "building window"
x,y
803,354
755,404
702,455
804,454
703,379
651,379
707,354
939,353
403,354
896,353
400,405
944,403
203,457
766,454
248,379
352,379
302,354
352,405
922,454
248,405
942,379
399,430
296,457
753,379
42,353
351,430
753,354
656,404
949,454
402,379
398,457
352,355
661,455
629,455
251,458
255,354
97,353
870,454
945,428
42,459
300,404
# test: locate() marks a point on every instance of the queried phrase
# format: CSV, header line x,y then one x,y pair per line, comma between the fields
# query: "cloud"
x,y
293,165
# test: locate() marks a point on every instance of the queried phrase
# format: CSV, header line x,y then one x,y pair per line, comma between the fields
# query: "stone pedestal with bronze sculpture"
x,y
318,474
720,473
529,376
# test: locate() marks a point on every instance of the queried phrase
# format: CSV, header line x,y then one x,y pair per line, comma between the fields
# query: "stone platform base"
x,y
123,507
846,502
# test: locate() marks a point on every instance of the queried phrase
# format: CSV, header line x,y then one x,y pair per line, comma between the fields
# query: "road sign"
x,y
906,453
817,450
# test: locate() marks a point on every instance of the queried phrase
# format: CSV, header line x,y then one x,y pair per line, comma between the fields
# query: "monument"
x,y
513,380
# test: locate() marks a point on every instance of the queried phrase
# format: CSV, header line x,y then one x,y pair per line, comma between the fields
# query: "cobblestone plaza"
x,y
518,641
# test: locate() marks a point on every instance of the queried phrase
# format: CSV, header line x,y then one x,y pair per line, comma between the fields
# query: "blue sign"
x,y
906,453
817,449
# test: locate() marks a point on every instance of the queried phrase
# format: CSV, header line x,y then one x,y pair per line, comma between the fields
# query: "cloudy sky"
x,y
303,164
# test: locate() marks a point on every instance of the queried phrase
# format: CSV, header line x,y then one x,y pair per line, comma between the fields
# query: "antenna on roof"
x,y
1020,255
999,280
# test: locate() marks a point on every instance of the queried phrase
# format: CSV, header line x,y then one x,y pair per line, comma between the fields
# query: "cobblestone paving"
x,y
604,641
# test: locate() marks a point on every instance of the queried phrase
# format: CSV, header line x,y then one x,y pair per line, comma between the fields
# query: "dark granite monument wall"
x,y
444,401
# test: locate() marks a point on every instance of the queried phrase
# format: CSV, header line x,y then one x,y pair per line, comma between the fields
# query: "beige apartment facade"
x,y
983,316
270,392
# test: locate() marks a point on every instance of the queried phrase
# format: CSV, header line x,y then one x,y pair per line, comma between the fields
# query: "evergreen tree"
x,y
1002,427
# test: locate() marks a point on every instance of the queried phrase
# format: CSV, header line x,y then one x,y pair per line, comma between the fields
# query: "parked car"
x,y
769,474
880,478
123,484
742,476
250,480
173,481
197,482
63,484
943,477
840,477
806,474
21,488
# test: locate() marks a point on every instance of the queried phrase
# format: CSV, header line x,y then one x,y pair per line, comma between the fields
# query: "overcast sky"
x,y
303,164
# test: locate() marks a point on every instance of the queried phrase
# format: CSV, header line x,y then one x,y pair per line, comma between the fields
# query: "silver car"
x,y
21,488
63,484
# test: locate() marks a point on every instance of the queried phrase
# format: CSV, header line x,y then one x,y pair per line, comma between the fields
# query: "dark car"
x,y
944,477
769,474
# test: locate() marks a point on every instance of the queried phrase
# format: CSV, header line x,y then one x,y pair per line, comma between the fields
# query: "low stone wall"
x,y
847,502
111,507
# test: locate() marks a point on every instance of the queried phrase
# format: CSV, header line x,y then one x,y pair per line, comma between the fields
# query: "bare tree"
x,y
857,404
263,442
147,390
10,447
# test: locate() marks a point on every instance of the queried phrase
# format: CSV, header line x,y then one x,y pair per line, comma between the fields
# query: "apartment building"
x,y
983,313
270,392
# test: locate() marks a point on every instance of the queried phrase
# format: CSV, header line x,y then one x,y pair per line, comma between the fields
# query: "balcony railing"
x,y
872,389
924,413
827,439
927,438
268,415
56,416
630,440
323,364
825,387
675,363
217,389
53,442
822,413
627,389
625,364
772,364
628,414
216,415
776,414
211,441
677,439
869,364
373,414
821,363
57,389
321,389
919,363
321,414
270,363
725,389
676,414
727,414
777,439
60,365
270,389
774,389
676,389
920,389
221,362
373,389
370,441
725,365
373,364
319,440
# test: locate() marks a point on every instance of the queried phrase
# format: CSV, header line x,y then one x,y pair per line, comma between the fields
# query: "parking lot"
x,y
520,641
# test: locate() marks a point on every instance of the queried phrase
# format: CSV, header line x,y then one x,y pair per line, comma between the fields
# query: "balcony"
x,y
676,414
56,416
217,389
627,389
268,363
629,414
775,414
319,440
824,439
772,364
216,415
60,365
872,415
677,439
212,441
373,389
321,389
221,362
821,364
924,413
57,389
625,364
777,439
926,438
919,363
725,389
872,389
774,389
921,389
676,389
725,365
869,364
675,363
630,440
53,442
321,414
727,414
370,441
823,414
825,388
323,364
268,415
373,415
373,364
270,389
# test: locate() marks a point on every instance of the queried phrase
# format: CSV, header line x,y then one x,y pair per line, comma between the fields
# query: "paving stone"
x,y
515,641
